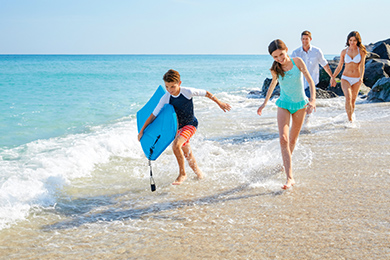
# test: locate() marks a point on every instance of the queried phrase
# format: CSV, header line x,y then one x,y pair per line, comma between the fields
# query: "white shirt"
x,y
188,93
312,58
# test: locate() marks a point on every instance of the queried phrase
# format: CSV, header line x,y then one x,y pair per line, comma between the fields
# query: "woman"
x,y
292,102
354,57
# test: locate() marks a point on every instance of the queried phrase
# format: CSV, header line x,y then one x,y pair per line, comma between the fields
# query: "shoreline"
x,y
338,209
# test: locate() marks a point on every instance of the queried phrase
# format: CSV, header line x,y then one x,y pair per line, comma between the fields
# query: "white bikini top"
x,y
356,59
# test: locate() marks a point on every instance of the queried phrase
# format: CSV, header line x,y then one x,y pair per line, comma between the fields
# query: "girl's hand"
x,y
259,111
225,106
310,107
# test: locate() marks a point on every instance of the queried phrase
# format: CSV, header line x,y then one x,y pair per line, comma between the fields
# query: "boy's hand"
x,y
225,106
140,136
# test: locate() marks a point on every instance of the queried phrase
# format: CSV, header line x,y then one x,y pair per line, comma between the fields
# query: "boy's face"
x,y
173,88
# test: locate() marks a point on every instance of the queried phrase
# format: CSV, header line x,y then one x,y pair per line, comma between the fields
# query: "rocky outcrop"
x,y
320,93
376,69
380,92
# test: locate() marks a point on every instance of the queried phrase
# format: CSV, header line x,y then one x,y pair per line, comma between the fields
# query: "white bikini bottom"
x,y
350,79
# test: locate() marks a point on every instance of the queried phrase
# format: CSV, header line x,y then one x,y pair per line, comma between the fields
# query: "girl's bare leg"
x,y
284,127
288,138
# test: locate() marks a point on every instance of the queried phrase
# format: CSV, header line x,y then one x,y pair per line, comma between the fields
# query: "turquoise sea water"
x,y
62,115
45,96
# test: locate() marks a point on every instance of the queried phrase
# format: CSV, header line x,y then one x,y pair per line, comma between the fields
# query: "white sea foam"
x,y
36,171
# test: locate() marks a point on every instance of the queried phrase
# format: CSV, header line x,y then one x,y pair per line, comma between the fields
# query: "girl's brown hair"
x,y
273,46
357,36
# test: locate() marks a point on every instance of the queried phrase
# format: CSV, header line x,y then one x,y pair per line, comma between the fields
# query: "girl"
x,y
292,101
353,73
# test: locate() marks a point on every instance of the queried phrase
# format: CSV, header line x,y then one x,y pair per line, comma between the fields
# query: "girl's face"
x,y
280,56
352,41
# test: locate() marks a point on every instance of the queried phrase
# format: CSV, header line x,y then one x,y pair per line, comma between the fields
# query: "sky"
x,y
184,26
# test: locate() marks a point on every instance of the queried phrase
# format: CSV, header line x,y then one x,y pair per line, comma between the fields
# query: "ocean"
x,y
73,177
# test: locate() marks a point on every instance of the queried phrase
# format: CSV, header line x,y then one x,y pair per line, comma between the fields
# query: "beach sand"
x,y
339,209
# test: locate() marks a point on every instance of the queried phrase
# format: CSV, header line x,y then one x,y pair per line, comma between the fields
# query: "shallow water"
x,y
338,209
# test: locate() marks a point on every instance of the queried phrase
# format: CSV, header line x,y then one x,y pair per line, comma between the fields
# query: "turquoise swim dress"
x,y
292,94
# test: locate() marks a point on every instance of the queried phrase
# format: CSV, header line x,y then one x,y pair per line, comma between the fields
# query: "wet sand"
x,y
339,209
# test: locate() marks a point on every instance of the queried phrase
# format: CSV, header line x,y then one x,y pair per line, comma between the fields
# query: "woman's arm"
x,y
339,67
362,65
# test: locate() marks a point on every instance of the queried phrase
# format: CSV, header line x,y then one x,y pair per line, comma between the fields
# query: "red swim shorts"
x,y
187,132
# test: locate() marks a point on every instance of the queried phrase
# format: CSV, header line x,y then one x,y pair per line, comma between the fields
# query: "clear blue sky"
x,y
184,26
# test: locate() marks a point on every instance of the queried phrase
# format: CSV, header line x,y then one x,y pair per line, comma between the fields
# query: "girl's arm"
x,y
224,106
339,67
269,92
312,101
147,122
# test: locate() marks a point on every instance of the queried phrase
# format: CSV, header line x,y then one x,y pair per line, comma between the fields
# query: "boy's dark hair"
x,y
172,76
306,33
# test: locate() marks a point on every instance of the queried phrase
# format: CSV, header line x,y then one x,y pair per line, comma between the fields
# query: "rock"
x,y
371,55
254,94
383,50
265,87
380,92
320,93
337,89
372,46
376,69
364,90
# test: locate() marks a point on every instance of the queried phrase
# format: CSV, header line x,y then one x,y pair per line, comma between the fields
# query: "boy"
x,y
181,99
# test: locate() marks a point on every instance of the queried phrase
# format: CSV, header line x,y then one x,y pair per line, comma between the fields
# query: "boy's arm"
x,y
224,106
147,122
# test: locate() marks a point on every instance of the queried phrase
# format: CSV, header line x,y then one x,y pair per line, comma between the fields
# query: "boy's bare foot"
x,y
179,180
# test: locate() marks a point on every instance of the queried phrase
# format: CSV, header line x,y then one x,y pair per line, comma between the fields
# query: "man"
x,y
313,57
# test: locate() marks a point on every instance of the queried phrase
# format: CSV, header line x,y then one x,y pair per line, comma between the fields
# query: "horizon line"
x,y
140,54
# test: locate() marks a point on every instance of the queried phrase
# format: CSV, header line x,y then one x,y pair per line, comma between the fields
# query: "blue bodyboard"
x,y
162,131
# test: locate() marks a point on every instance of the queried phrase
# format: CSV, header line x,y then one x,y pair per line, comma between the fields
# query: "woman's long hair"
x,y
273,46
357,36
